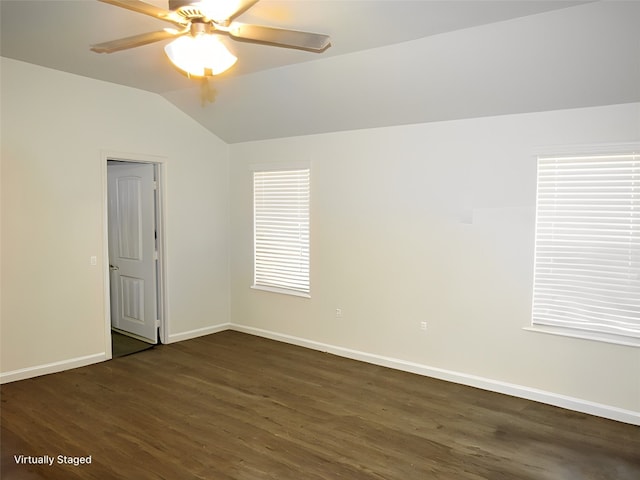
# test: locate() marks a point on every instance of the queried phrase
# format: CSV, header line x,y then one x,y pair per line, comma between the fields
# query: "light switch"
x,y
93,260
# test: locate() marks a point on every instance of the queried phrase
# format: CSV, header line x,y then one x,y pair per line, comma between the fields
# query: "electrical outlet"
x,y
423,325
338,313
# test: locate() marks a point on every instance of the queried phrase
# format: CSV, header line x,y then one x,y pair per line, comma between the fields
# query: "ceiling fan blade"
x,y
133,41
279,36
147,9
241,6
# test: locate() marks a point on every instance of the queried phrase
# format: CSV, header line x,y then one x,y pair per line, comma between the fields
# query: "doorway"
x,y
135,253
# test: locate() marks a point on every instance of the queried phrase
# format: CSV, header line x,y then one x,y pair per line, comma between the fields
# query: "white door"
x,y
132,248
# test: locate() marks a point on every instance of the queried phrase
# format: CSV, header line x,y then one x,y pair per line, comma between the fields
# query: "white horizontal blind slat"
x,y
281,229
587,256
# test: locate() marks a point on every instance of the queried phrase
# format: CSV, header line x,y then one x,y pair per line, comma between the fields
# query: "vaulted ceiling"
x,y
390,62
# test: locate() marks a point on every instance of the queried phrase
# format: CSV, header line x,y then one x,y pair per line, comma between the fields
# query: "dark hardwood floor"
x,y
234,406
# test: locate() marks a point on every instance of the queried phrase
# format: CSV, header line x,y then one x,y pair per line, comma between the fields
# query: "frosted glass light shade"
x,y
196,54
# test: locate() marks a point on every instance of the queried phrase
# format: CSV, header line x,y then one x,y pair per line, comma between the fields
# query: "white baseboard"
x,y
550,398
199,332
54,367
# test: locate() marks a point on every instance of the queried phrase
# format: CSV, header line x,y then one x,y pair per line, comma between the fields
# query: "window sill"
x,y
282,291
598,337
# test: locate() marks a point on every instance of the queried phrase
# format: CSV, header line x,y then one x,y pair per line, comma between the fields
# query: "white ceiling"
x,y
390,62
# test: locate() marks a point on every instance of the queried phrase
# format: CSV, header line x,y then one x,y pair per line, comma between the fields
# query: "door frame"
x,y
159,163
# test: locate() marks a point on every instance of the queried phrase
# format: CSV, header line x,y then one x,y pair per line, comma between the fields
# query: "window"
x,y
281,230
587,255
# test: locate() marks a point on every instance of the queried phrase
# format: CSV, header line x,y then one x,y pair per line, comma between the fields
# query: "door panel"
x,y
129,217
132,247
132,291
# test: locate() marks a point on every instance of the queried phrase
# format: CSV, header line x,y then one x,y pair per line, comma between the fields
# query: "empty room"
x,y
320,239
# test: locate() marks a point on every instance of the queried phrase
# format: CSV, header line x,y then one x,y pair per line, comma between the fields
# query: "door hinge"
x,y
155,185
158,322
155,255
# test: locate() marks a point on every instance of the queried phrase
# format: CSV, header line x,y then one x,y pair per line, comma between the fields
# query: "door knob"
x,y
113,267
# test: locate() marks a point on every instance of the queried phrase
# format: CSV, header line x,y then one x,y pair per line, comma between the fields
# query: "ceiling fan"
x,y
196,47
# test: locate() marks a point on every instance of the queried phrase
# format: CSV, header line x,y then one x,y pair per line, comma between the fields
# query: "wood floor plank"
x,y
234,406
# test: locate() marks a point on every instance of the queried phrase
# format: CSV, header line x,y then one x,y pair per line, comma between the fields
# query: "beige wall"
x,y
54,128
432,222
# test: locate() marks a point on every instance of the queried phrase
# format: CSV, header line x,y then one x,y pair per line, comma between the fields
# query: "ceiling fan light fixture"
x,y
199,54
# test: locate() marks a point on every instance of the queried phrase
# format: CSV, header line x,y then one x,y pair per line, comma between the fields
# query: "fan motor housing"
x,y
187,10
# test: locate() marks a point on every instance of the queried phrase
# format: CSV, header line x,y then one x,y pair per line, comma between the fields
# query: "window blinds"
x,y
281,229
587,256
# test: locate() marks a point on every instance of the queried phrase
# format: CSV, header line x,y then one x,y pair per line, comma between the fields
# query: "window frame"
x,y
577,151
274,168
